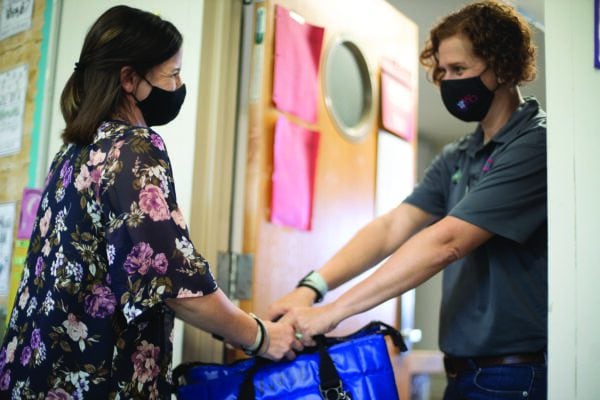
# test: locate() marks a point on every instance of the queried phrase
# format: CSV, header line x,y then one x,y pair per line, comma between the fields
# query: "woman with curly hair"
x,y
479,215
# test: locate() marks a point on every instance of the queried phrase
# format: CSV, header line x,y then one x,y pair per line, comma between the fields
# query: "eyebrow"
x,y
171,71
457,64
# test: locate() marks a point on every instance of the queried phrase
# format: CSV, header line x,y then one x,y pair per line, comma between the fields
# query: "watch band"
x,y
315,281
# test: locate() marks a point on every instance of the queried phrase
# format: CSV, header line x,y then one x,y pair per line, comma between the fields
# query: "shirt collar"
x,y
474,142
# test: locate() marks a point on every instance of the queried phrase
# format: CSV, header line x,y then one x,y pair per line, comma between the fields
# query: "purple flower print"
x,y
2,358
36,339
139,259
25,355
160,263
101,302
157,141
58,394
66,173
5,380
39,265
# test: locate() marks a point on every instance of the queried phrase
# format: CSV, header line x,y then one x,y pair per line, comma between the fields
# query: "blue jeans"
x,y
503,382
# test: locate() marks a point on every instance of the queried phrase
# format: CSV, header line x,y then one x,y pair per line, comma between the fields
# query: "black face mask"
x,y
467,99
161,106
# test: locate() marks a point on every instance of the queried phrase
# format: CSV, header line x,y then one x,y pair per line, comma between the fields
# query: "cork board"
x,y
19,49
23,48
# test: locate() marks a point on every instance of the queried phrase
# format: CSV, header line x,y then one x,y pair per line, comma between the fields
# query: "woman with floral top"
x,y
110,262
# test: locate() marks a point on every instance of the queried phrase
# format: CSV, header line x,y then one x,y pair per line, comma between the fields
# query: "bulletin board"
x,y
24,31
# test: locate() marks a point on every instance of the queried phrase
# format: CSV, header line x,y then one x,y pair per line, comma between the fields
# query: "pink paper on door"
x,y
295,160
397,100
297,55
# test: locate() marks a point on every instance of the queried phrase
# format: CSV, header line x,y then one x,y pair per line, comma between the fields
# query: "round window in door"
x,y
348,89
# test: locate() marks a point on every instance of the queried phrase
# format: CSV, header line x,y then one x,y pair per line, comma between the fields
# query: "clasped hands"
x,y
296,310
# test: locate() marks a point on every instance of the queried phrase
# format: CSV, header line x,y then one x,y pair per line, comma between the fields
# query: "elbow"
x,y
455,238
449,254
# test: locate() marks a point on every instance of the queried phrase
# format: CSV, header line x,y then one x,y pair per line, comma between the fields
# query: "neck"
x,y
130,113
506,101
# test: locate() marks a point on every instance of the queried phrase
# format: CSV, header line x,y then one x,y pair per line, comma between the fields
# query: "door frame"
x,y
214,153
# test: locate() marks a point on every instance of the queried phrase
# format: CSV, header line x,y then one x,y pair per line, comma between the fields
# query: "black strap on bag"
x,y
330,384
247,391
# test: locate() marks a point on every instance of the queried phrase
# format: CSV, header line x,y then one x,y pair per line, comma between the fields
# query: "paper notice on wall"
x,y
29,206
297,57
397,100
16,17
295,161
395,172
13,90
7,223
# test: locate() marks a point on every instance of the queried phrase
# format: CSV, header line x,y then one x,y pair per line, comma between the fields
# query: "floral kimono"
x,y
108,247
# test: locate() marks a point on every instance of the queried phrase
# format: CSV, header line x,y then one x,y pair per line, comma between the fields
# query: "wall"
x,y
23,48
574,194
75,19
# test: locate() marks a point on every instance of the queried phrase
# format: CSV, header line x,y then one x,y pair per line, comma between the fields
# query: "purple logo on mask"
x,y
464,103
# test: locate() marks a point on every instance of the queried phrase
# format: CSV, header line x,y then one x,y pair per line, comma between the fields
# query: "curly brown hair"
x,y
499,35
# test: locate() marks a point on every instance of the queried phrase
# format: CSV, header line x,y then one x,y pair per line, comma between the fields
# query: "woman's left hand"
x,y
311,321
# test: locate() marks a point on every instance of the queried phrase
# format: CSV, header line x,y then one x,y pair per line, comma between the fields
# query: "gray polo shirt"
x,y
494,299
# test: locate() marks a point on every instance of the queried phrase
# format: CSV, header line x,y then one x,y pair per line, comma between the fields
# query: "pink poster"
x,y
397,100
29,206
295,160
297,54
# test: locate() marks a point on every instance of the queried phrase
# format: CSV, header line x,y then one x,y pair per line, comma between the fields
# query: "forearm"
x,y
416,261
216,314
373,243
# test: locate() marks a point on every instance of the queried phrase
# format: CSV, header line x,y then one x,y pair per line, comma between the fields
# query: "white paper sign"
x,y
13,89
7,223
16,17
395,172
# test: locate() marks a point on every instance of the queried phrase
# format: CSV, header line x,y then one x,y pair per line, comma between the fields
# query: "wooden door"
x,y
344,192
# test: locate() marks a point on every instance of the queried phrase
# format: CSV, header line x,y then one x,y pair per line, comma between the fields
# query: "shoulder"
x,y
453,151
532,127
115,135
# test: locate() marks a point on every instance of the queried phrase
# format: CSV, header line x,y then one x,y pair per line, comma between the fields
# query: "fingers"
x,y
275,313
282,341
306,340
297,345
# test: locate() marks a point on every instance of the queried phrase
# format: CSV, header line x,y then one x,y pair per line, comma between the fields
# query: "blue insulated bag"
x,y
356,367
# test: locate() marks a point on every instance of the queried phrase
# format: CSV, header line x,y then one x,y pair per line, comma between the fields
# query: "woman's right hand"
x,y
282,341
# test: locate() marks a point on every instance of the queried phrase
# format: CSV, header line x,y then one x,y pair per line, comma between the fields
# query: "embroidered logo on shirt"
x,y
456,177
488,165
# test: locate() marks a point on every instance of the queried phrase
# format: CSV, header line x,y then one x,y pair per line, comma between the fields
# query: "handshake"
x,y
295,321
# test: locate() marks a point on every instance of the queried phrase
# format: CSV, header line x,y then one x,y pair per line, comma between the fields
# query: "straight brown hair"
x,y
122,36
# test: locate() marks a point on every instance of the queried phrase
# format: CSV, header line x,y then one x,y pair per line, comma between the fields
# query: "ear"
x,y
128,78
